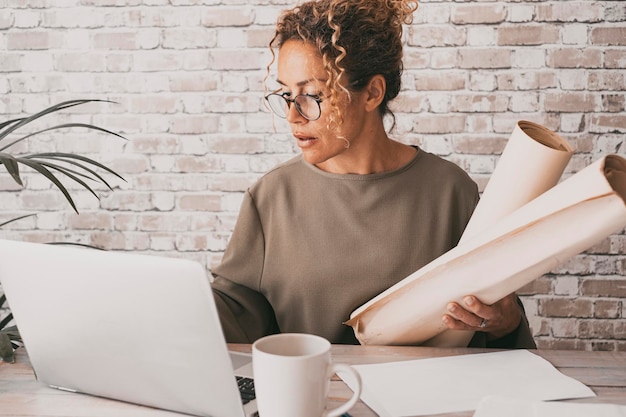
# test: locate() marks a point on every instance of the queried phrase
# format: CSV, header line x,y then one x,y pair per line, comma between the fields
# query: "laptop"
x,y
137,328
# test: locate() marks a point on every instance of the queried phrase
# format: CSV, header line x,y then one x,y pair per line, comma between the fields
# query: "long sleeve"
x,y
246,315
244,312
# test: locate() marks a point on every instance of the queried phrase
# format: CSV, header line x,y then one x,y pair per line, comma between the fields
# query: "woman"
x,y
358,211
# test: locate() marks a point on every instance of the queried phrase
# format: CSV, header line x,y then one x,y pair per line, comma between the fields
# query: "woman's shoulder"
x,y
444,168
282,173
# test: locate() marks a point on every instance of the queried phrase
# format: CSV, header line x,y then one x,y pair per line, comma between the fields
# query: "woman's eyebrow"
x,y
301,83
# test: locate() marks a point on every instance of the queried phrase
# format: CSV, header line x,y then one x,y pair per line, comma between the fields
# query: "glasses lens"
x,y
278,104
308,107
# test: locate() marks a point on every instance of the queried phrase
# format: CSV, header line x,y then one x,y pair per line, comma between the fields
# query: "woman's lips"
x,y
304,141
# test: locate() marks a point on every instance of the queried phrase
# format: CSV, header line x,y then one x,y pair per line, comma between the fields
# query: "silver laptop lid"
x,y
136,328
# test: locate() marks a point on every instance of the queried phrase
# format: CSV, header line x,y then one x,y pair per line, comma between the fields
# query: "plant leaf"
x,y
14,220
63,126
6,320
62,156
46,173
12,167
6,348
51,109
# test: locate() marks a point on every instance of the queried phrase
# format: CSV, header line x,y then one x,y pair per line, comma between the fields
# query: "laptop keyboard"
x,y
246,389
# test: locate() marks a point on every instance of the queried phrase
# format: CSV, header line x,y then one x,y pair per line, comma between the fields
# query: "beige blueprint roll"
x,y
564,221
532,162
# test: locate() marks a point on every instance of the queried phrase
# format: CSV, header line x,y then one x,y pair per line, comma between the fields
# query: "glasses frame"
x,y
290,101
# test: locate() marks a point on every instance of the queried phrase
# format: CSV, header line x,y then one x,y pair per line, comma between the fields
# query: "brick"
x,y
156,61
152,145
468,103
440,124
573,34
228,16
603,287
600,345
479,144
115,40
526,80
570,102
571,122
607,123
564,328
575,58
191,38
7,18
429,36
30,40
529,58
202,242
478,123
258,37
615,12
194,124
566,307
561,344
440,80
527,35
187,82
483,82
485,58
571,11
443,58
242,59
123,200
606,80
613,103
595,329
239,145
520,13
615,58
608,36
524,102
606,309
478,13
566,285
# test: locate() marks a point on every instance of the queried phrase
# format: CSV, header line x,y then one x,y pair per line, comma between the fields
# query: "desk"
x,y
22,395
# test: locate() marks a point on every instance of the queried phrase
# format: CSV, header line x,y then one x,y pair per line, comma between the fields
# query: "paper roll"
x,y
532,162
529,242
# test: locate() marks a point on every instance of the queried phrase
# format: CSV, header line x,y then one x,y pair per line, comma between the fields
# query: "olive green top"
x,y
309,247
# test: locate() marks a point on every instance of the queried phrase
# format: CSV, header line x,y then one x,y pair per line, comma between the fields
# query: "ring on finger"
x,y
483,324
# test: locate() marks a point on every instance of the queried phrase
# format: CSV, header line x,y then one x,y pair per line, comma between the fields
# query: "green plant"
x,y
51,165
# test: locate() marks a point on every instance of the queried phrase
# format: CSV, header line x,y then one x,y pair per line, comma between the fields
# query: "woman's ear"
x,y
375,92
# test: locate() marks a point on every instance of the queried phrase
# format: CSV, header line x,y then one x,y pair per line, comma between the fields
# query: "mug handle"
x,y
340,367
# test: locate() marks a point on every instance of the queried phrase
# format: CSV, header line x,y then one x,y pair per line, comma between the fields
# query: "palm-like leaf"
x,y
9,336
52,164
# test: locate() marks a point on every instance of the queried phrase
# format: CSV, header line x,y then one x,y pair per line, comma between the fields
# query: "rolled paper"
x,y
532,162
562,222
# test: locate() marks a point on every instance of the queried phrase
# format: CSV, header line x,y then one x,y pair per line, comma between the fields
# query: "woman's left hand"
x,y
497,320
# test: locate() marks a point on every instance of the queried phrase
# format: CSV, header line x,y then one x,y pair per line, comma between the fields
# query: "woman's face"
x,y
300,71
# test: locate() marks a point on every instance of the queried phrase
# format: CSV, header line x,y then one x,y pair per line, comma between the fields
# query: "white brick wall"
x,y
188,77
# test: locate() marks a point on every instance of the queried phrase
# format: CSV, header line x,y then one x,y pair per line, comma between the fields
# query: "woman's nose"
x,y
293,115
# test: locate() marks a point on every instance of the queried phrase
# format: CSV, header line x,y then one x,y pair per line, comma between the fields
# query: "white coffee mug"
x,y
292,373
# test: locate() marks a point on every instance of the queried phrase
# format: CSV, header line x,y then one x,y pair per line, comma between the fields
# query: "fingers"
x,y
497,320
468,317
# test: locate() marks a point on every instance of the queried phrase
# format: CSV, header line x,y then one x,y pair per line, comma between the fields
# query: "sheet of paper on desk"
x,y
458,383
513,407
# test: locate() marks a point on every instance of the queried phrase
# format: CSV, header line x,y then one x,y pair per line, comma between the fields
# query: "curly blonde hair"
x,y
356,39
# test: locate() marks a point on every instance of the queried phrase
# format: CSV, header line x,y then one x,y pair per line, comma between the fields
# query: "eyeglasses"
x,y
307,105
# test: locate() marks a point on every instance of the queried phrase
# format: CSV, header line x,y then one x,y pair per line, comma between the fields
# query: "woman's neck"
x,y
378,155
